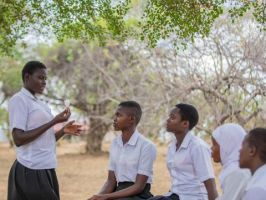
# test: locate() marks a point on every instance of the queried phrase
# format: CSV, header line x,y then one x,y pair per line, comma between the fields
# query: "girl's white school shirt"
x,y
26,112
135,157
189,167
256,188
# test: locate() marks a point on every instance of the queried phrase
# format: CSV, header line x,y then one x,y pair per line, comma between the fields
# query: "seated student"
x,y
131,158
188,159
227,140
253,157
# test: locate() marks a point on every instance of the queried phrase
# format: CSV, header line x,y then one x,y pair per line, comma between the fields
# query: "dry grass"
x,y
81,175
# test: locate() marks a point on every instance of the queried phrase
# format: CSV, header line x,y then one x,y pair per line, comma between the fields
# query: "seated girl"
x,y
227,140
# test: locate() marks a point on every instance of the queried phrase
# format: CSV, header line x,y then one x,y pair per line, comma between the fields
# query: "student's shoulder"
x,y
146,142
16,98
198,143
196,140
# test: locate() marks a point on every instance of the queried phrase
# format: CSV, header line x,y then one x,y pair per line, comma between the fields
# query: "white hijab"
x,y
229,137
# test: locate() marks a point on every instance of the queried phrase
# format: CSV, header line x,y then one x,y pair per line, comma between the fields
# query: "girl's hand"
x,y
72,129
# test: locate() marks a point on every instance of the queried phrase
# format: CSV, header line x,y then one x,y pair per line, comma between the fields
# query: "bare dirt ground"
x,y
81,175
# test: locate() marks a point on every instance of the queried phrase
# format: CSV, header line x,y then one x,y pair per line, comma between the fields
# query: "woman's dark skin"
x,y
35,83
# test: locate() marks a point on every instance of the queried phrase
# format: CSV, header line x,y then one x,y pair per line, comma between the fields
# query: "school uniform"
x,y
32,175
127,160
235,184
233,179
256,188
189,167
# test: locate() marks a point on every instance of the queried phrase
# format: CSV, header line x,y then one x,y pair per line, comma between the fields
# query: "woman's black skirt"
x,y
161,197
30,184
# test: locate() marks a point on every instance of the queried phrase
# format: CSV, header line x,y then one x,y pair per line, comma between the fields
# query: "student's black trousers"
x,y
30,184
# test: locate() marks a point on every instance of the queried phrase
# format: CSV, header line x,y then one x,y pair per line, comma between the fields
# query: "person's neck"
x,y
180,137
127,133
256,165
30,90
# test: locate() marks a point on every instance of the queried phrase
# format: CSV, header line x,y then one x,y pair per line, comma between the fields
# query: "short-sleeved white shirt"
x,y
189,167
26,112
135,157
256,188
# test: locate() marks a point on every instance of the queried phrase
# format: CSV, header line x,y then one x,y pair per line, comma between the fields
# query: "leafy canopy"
x,y
99,20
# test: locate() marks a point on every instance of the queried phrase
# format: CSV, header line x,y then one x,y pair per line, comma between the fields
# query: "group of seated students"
x,y
242,156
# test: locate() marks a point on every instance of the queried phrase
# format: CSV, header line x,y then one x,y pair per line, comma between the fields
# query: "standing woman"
x,y
227,140
32,176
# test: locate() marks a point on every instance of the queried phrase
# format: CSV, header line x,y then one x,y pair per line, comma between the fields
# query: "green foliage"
x,y
11,14
3,116
101,20
10,83
89,20
18,18
10,76
258,9
180,19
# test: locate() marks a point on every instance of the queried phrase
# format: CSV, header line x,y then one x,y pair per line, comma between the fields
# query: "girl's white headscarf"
x,y
229,137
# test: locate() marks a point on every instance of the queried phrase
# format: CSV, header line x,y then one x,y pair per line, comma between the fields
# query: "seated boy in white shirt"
x,y
131,158
253,157
188,159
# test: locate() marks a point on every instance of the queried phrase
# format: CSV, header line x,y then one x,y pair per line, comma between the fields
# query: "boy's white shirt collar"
x,y
133,139
186,140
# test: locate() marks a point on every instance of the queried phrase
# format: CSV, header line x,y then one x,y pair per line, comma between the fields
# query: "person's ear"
x,y
186,123
132,118
26,77
253,151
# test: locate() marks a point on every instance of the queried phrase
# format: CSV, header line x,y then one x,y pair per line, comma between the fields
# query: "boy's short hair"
x,y
257,138
189,113
134,107
30,67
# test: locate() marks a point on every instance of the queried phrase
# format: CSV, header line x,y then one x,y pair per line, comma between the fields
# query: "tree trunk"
x,y
95,136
